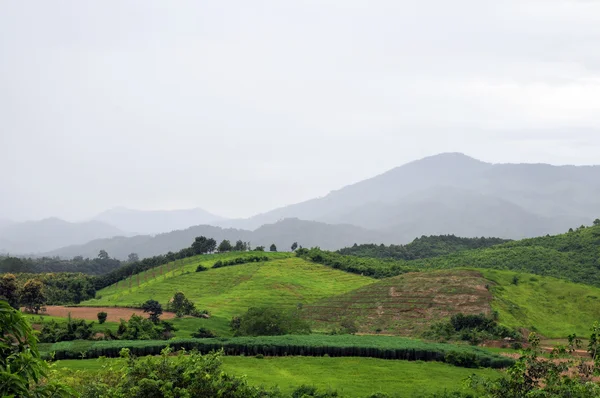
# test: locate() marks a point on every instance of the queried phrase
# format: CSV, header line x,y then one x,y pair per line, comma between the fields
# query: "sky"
x,y
239,107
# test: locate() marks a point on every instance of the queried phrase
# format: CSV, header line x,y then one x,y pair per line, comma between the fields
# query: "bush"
x,y
201,268
268,321
102,317
203,333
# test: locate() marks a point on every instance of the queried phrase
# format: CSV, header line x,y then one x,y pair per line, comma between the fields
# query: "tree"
x,y
273,248
181,306
103,255
294,246
21,367
154,308
597,222
102,317
133,257
202,245
9,290
32,296
269,321
225,246
259,248
239,246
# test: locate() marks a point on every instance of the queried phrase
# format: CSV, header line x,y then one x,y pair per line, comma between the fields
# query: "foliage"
x,y
225,246
203,333
385,347
187,374
472,328
9,290
73,329
269,321
273,248
423,247
139,328
78,264
363,266
181,306
63,288
241,260
153,308
102,317
201,245
294,246
22,372
32,295
201,268
535,376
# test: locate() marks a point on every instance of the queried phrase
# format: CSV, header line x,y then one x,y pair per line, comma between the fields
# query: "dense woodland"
x,y
423,247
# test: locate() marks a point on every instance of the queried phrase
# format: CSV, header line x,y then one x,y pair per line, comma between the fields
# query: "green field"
x,y
282,282
352,377
553,307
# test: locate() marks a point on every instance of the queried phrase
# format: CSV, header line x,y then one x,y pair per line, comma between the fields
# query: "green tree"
x,y
103,255
269,321
597,222
102,317
9,290
133,257
181,306
32,295
21,368
259,248
153,308
225,246
273,248
239,246
294,246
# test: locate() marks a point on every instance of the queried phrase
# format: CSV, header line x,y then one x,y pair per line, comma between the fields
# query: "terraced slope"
x,y
228,291
405,304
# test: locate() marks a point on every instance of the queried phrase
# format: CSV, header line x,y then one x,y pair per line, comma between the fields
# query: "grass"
x,y
282,282
352,377
553,307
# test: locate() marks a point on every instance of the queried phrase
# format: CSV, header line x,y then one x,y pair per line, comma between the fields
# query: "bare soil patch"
x,y
91,313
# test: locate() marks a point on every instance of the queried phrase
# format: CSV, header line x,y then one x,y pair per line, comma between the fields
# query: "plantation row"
x,y
307,345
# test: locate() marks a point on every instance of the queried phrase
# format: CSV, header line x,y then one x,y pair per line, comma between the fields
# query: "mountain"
x,y
32,237
282,233
455,194
156,221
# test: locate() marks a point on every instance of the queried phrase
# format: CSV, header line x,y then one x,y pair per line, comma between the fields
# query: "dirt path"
x,y
91,313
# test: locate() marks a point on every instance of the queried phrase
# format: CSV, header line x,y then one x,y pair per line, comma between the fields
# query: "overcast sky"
x,y
242,106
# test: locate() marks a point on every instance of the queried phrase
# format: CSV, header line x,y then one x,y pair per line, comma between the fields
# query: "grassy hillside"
x,y
553,307
405,304
282,282
351,377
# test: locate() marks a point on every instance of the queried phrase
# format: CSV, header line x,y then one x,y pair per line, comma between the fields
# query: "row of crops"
x,y
310,345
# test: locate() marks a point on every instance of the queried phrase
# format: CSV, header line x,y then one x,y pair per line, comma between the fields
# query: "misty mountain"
x,y
156,221
44,235
283,234
453,193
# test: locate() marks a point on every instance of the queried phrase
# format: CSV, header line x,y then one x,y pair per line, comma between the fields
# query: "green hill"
x,y
284,281
410,303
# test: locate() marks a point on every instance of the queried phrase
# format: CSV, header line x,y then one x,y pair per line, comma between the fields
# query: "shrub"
x,y
203,333
201,268
102,317
268,321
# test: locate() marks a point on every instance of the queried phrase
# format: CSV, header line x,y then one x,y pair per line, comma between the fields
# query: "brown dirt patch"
x,y
91,313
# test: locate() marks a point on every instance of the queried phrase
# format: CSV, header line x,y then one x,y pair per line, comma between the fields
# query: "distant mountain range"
x,y
282,234
156,221
48,234
444,194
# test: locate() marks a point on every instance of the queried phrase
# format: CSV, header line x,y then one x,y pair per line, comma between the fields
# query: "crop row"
x,y
311,345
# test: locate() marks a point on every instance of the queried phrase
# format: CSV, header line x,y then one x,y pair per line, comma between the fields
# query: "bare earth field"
x,y
91,313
